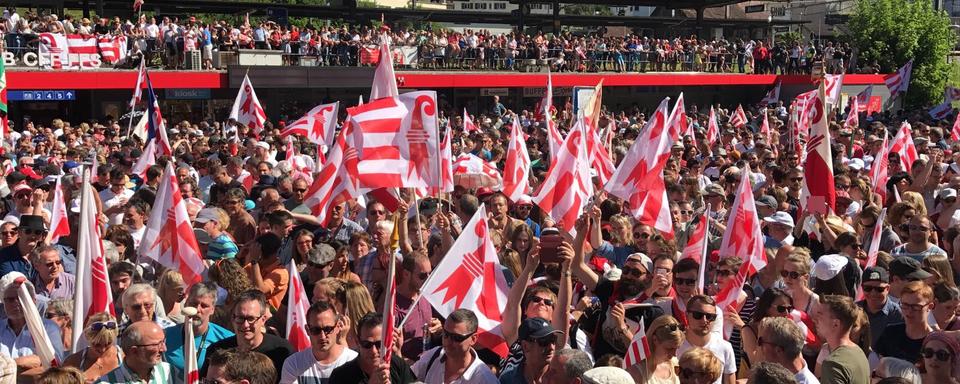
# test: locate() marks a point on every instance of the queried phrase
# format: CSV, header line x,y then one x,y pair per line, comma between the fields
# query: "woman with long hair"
x,y
358,303
172,290
939,266
302,244
774,302
664,337
796,277
102,354
229,275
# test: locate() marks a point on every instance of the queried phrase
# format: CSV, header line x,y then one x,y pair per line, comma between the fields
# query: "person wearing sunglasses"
x,y
203,297
143,345
775,302
328,349
102,354
795,275
664,337
834,319
941,358
905,340
702,312
32,232
368,367
8,234
51,281
249,316
538,340
455,360
918,245
876,303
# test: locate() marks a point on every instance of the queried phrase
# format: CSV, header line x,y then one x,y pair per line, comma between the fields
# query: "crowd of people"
x,y
169,41
569,319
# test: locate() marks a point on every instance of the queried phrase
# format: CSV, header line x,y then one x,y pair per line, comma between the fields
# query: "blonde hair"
x,y
941,265
800,257
222,218
916,200
358,301
657,324
170,279
104,335
61,375
702,360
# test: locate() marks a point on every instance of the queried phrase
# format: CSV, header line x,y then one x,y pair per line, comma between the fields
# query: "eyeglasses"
x,y
686,211
318,330
697,315
784,308
239,320
299,190
913,307
143,306
791,274
874,288
369,344
53,315
54,264
538,300
27,231
941,354
669,328
96,327
154,345
456,336
724,272
682,281
918,228
633,271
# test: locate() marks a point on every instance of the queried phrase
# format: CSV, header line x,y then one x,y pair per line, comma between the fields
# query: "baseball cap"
x,y
875,274
906,267
535,328
780,217
948,193
767,201
828,266
713,190
643,259
207,214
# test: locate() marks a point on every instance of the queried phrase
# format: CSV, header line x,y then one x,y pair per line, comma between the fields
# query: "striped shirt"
x,y
159,375
222,247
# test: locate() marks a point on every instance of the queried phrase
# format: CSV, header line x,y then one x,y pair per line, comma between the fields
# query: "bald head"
x,y
140,333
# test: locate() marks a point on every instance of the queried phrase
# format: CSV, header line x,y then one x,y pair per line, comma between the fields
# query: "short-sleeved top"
x,y
303,368
431,369
174,335
846,365
275,348
721,348
894,342
351,373
242,227
276,278
901,250
160,374
222,247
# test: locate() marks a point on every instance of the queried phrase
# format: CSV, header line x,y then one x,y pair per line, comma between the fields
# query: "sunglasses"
x,y
538,300
53,315
873,288
299,190
669,328
784,308
724,272
96,327
682,281
54,264
697,315
318,330
144,306
456,336
686,212
544,342
641,235
941,354
8,233
918,228
796,179
633,271
792,274
27,231
369,344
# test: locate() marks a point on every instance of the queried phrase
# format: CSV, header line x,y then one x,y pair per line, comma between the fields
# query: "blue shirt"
x,y
11,260
19,345
174,334
889,314
615,255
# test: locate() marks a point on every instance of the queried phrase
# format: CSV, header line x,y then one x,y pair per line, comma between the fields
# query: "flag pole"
x,y
701,277
84,264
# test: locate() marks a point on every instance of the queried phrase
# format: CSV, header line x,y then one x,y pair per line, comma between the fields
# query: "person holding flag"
x,y
663,338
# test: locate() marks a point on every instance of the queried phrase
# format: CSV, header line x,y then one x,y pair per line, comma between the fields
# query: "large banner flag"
x,y
75,51
903,145
818,193
338,180
169,238
92,292
419,140
470,276
247,109
567,187
318,125
378,124
899,81
516,171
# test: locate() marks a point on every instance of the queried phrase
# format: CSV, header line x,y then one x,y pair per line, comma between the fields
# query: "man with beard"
x,y
684,283
327,349
701,313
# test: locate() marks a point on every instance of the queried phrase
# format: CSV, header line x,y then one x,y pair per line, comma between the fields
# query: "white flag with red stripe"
x,y
899,81
384,79
639,348
169,238
600,160
468,125
772,96
697,242
379,122
567,187
446,163
471,172
713,127
138,88
955,131
739,118
878,170
113,49
903,145
853,114
765,130
59,226
516,170
818,193
742,239
874,248
470,276
247,109
157,143
419,141
92,292
191,371
832,85
297,306
318,125
639,178
338,180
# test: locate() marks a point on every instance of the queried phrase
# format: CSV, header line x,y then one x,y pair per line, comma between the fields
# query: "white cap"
x,y
948,192
207,214
855,164
263,144
828,266
607,375
780,217
10,278
643,259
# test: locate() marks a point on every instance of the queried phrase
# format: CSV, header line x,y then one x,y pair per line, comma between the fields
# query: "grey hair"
x,y
577,362
785,334
203,289
464,316
894,367
135,290
770,373
110,252
62,307
131,336
35,254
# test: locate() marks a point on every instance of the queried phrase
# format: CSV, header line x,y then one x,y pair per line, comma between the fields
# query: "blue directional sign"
x,y
42,95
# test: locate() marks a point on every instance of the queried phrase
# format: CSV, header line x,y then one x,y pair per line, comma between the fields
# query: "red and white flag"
x,y
92,294
297,305
384,80
680,123
878,170
567,187
138,88
903,145
59,226
639,178
169,238
832,84
113,49
818,193
468,125
772,96
899,81
245,178
318,125
639,348
941,111
697,242
472,172
191,371
765,131
389,302
955,131
863,98
516,170
713,128
157,143
742,239
446,163
600,160
739,118
470,276
853,114
874,249
419,141
247,109
338,180
378,132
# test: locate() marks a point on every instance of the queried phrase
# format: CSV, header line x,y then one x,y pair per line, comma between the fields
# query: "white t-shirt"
x,y
111,200
303,368
476,373
721,349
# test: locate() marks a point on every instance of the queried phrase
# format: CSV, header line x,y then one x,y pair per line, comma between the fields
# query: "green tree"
x,y
891,32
